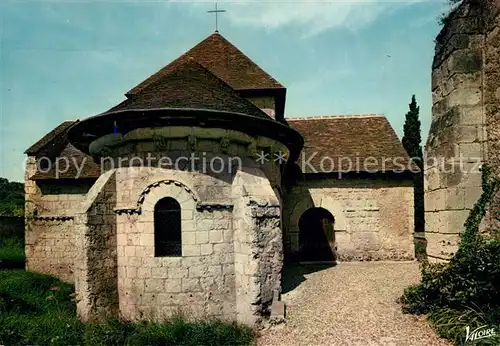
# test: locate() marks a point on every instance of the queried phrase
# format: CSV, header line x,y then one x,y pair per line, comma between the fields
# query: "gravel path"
x,y
349,304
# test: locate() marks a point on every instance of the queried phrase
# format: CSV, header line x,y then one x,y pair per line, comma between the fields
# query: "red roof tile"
x,y
72,164
361,143
225,61
54,146
49,137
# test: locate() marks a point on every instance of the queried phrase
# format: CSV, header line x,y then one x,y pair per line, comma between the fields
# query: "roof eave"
x,y
266,126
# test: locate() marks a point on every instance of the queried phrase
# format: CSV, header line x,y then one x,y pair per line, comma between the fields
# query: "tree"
x,y
412,140
11,198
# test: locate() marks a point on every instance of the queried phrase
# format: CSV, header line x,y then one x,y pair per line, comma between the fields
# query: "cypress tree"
x,y
411,133
412,143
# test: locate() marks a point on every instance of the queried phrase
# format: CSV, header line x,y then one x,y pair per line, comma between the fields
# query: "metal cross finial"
x,y
216,11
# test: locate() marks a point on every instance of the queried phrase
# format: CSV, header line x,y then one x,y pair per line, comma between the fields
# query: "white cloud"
x,y
311,17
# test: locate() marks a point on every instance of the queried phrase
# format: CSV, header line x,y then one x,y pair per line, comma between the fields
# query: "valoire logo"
x,y
479,333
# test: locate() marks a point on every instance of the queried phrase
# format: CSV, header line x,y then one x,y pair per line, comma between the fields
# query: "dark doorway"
x,y
317,236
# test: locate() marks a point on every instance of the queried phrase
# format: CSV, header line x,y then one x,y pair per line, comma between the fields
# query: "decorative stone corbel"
x,y
224,144
160,142
192,141
252,148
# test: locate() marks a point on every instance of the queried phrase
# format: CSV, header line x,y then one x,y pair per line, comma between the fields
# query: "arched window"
x,y
168,228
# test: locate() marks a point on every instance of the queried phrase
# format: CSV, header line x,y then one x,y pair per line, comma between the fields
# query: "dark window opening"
x,y
167,221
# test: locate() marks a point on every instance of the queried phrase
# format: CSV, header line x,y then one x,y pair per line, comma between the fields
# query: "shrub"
x,y
465,291
12,249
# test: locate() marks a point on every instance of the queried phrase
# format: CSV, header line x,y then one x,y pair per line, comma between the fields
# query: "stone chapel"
x,y
191,194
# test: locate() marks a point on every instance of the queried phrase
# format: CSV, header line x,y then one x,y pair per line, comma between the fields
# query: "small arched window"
x,y
168,228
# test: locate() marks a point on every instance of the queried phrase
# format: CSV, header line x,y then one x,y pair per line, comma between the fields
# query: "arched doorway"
x,y
317,236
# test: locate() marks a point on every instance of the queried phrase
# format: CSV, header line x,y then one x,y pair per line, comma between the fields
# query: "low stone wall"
x,y
50,246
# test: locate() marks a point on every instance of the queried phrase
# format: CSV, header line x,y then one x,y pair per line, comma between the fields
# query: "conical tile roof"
x,y
188,85
225,61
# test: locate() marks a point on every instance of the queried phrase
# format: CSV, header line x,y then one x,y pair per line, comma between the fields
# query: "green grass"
x,y
37,309
12,249
451,323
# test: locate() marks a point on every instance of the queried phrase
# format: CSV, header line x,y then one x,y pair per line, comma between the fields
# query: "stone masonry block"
x,y
177,273
188,226
143,272
467,133
173,285
223,248
202,237
471,115
196,271
466,97
147,239
154,285
206,249
143,251
216,236
205,224
471,150
454,198
191,285
189,238
159,272
465,61
441,245
187,214
129,251
432,180
227,236
215,270
131,272
455,220
435,200
191,250
471,196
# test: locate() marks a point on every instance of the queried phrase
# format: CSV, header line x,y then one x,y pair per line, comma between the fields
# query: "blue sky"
x,y
68,59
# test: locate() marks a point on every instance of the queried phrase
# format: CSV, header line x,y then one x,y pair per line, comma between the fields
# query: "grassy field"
x,y
37,309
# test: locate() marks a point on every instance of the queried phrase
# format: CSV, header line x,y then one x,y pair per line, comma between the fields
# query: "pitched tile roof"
x,y
224,60
76,165
350,143
190,85
49,137
55,145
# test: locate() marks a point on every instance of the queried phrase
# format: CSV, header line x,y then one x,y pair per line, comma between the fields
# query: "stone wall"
x,y
464,129
373,217
258,244
198,284
95,259
230,220
50,232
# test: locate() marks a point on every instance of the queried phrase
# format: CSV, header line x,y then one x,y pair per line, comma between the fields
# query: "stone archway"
x,y
317,236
